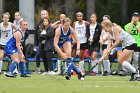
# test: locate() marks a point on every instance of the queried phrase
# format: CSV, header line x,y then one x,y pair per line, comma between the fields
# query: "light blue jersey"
x,y
10,47
64,37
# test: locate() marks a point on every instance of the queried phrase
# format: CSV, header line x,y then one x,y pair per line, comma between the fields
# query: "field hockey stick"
x,y
100,60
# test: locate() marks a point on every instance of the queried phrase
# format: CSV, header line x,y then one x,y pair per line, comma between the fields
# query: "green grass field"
x,y
58,84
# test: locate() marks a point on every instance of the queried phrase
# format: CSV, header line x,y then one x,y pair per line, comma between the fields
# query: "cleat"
x,y
106,73
25,76
9,74
135,77
37,71
67,77
80,76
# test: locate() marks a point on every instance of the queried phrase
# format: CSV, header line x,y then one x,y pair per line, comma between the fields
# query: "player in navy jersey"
x,y
62,43
14,50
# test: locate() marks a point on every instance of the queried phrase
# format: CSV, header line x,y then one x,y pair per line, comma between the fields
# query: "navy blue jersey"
x,y
64,37
10,47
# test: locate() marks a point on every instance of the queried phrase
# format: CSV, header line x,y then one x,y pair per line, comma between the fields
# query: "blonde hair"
x,y
6,13
62,15
66,20
45,11
107,23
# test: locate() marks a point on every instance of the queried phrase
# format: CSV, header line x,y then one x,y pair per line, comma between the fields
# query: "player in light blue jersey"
x,y
14,50
62,44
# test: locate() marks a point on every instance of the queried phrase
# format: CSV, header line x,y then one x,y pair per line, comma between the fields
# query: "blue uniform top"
x,y
64,37
10,47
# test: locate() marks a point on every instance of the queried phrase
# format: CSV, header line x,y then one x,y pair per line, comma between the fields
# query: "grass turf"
x,y
58,84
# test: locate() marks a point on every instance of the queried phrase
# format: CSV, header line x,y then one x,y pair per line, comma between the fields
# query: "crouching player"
x,y
63,42
128,44
13,49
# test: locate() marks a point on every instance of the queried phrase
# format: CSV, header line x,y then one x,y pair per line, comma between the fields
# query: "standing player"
x,y
104,39
128,45
93,34
56,25
6,30
18,19
80,29
13,49
62,44
40,44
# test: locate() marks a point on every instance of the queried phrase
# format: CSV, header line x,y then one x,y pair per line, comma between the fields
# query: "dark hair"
x,y
94,14
107,16
42,27
18,12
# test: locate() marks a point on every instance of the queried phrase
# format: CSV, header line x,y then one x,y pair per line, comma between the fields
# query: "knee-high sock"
x,y
21,67
71,66
59,65
81,65
106,65
1,62
93,62
13,65
129,67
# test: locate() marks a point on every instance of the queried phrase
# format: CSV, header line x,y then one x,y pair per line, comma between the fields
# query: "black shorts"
x,y
104,46
131,47
2,47
95,47
82,46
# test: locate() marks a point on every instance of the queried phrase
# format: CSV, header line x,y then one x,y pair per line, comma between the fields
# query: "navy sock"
x,y
21,67
75,68
13,65
27,66
69,65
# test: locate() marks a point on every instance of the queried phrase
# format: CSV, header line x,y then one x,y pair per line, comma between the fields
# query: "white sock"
x,y
93,62
65,66
81,65
106,65
59,65
1,62
16,71
129,67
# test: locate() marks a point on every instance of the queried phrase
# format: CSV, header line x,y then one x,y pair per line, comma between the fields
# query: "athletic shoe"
x,y
135,77
67,77
106,73
37,71
122,73
81,75
9,74
25,76
45,73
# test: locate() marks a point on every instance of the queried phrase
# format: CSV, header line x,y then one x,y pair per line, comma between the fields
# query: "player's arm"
x,y
71,36
101,38
138,27
17,36
55,24
14,27
117,39
109,41
56,39
86,23
77,40
131,27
